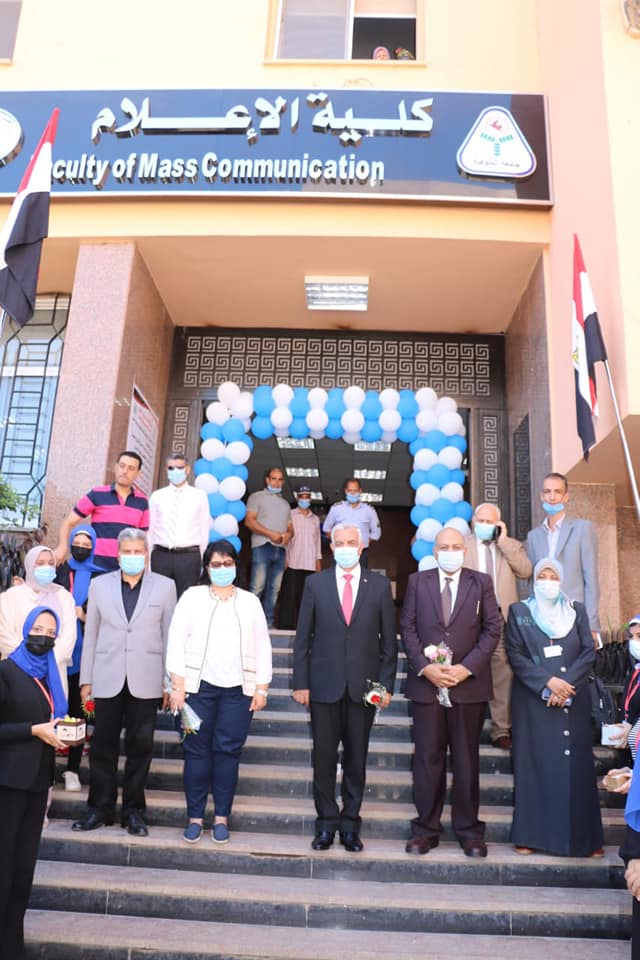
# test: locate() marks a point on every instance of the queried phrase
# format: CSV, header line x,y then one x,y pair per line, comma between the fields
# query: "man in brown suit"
x,y
454,606
490,550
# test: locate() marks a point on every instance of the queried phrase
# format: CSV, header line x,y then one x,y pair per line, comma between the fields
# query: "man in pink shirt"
x,y
304,557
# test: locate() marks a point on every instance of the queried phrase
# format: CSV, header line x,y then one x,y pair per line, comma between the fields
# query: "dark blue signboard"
x,y
414,145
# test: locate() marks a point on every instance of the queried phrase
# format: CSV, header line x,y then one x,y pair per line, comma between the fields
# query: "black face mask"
x,y
80,554
39,645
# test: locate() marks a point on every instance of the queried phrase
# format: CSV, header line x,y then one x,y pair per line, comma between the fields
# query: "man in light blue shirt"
x,y
353,512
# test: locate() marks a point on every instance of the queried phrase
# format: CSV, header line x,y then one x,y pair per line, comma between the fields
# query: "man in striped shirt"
x,y
304,557
109,509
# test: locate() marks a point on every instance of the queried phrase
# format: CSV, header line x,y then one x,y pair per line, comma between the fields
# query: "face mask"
x,y
450,560
634,648
222,576
80,554
346,557
552,508
304,504
131,563
177,475
353,498
484,531
44,575
39,645
273,489
547,589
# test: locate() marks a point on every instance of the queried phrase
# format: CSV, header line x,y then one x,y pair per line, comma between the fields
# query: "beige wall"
x,y
628,553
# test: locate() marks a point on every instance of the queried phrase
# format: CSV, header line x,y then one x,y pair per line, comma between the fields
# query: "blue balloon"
x,y
201,466
460,443
214,535
335,407
419,513
245,438
438,475
436,440
464,510
408,431
458,476
222,468
299,429
417,478
371,431
211,431
217,504
241,471
371,408
334,430
233,429
237,509
408,405
419,444
420,549
263,402
443,510
235,542
261,427
299,405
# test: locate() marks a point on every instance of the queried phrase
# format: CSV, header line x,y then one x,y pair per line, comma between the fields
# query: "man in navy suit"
x,y
455,606
346,635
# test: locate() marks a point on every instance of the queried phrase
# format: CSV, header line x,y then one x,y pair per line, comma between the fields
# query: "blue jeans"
x,y
267,568
212,755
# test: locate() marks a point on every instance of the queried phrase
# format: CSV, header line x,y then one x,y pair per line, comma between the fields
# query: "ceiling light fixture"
x,y
302,471
370,474
337,293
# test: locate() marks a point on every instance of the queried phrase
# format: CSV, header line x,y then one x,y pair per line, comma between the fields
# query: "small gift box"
x,y
72,731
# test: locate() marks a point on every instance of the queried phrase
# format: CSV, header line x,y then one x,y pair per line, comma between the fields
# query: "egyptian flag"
x,y
588,349
24,230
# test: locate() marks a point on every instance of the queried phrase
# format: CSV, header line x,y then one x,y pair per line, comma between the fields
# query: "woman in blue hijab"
x,y
32,700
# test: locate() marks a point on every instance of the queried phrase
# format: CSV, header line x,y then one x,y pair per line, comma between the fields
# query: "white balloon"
x,y
282,394
243,406
316,434
425,459
233,488
451,457
281,418
389,398
389,420
446,405
353,398
429,530
228,393
452,492
217,412
428,563
457,523
284,432
389,436
317,398
246,423
450,423
426,494
352,421
212,449
238,452
426,420
317,420
351,437
207,482
426,397
226,524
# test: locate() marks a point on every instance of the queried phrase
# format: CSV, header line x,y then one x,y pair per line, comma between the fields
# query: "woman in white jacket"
x,y
219,656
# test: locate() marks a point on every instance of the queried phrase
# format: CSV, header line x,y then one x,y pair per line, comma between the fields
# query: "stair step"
x,y
388,906
84,936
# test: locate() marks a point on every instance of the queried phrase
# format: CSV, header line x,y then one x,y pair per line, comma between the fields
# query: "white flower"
x,y
431,651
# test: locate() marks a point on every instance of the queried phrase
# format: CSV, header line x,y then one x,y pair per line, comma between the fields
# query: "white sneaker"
x,y
72,781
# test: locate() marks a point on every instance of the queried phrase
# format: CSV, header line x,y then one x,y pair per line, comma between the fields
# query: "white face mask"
x,y
450,560
634,648
547,589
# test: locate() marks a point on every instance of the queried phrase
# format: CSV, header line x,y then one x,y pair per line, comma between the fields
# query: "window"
x,y
344,29
9,16
30,359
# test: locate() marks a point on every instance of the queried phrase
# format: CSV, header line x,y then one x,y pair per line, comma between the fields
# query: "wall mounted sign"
x,y
415,145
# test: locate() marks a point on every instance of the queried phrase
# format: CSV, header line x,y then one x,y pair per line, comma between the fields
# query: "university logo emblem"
x,y
11,137
496,147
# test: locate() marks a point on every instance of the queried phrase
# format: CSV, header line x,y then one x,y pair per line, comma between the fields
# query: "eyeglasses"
x,y
216,564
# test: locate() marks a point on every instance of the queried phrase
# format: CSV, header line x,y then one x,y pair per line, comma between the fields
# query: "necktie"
x,y
489,563
447,600
347,597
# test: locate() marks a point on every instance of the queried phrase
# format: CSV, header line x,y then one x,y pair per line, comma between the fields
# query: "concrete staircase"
x,y
266,894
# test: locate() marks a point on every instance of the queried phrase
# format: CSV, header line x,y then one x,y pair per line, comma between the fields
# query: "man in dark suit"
x,y
346,635
455,606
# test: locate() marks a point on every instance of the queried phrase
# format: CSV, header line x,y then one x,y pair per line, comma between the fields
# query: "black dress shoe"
x,y
421,844
351,841
322,840
503,743
135,825
475,848
92,822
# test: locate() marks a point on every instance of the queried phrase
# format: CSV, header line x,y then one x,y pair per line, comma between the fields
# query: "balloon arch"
x,y
431,426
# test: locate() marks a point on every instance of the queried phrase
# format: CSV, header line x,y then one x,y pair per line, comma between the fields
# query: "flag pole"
x,y
623,437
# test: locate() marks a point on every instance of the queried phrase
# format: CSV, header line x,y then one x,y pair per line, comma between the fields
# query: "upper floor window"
x,y
346,30
9,16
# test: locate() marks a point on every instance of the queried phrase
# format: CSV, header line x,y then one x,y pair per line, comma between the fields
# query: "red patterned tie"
x,y
347,597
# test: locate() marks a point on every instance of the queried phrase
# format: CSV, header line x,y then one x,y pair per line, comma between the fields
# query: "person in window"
x,y
219,656
549,644
32,700
381,53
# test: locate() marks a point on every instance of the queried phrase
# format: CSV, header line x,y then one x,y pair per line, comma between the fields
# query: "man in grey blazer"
x,y
122,671
572,543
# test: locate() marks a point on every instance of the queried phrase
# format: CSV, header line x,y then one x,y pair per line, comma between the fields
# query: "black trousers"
x,y
349,723
291,597
75,710
184,568
112,714
21,818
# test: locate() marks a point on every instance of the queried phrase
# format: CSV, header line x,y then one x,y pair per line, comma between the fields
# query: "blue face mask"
x,y
353,497
132,563
304,504
552,508
177,475
547,589
346,557
222,576
274,489
44,575
484,531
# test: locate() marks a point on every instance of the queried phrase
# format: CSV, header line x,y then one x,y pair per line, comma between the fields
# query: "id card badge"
x,y
553,650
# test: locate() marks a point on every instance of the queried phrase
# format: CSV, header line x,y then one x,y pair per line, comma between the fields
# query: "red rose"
x,y
89,707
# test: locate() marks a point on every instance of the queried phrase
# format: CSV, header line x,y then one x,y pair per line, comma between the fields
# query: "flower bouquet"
x,y
190,722
89,708
443,655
